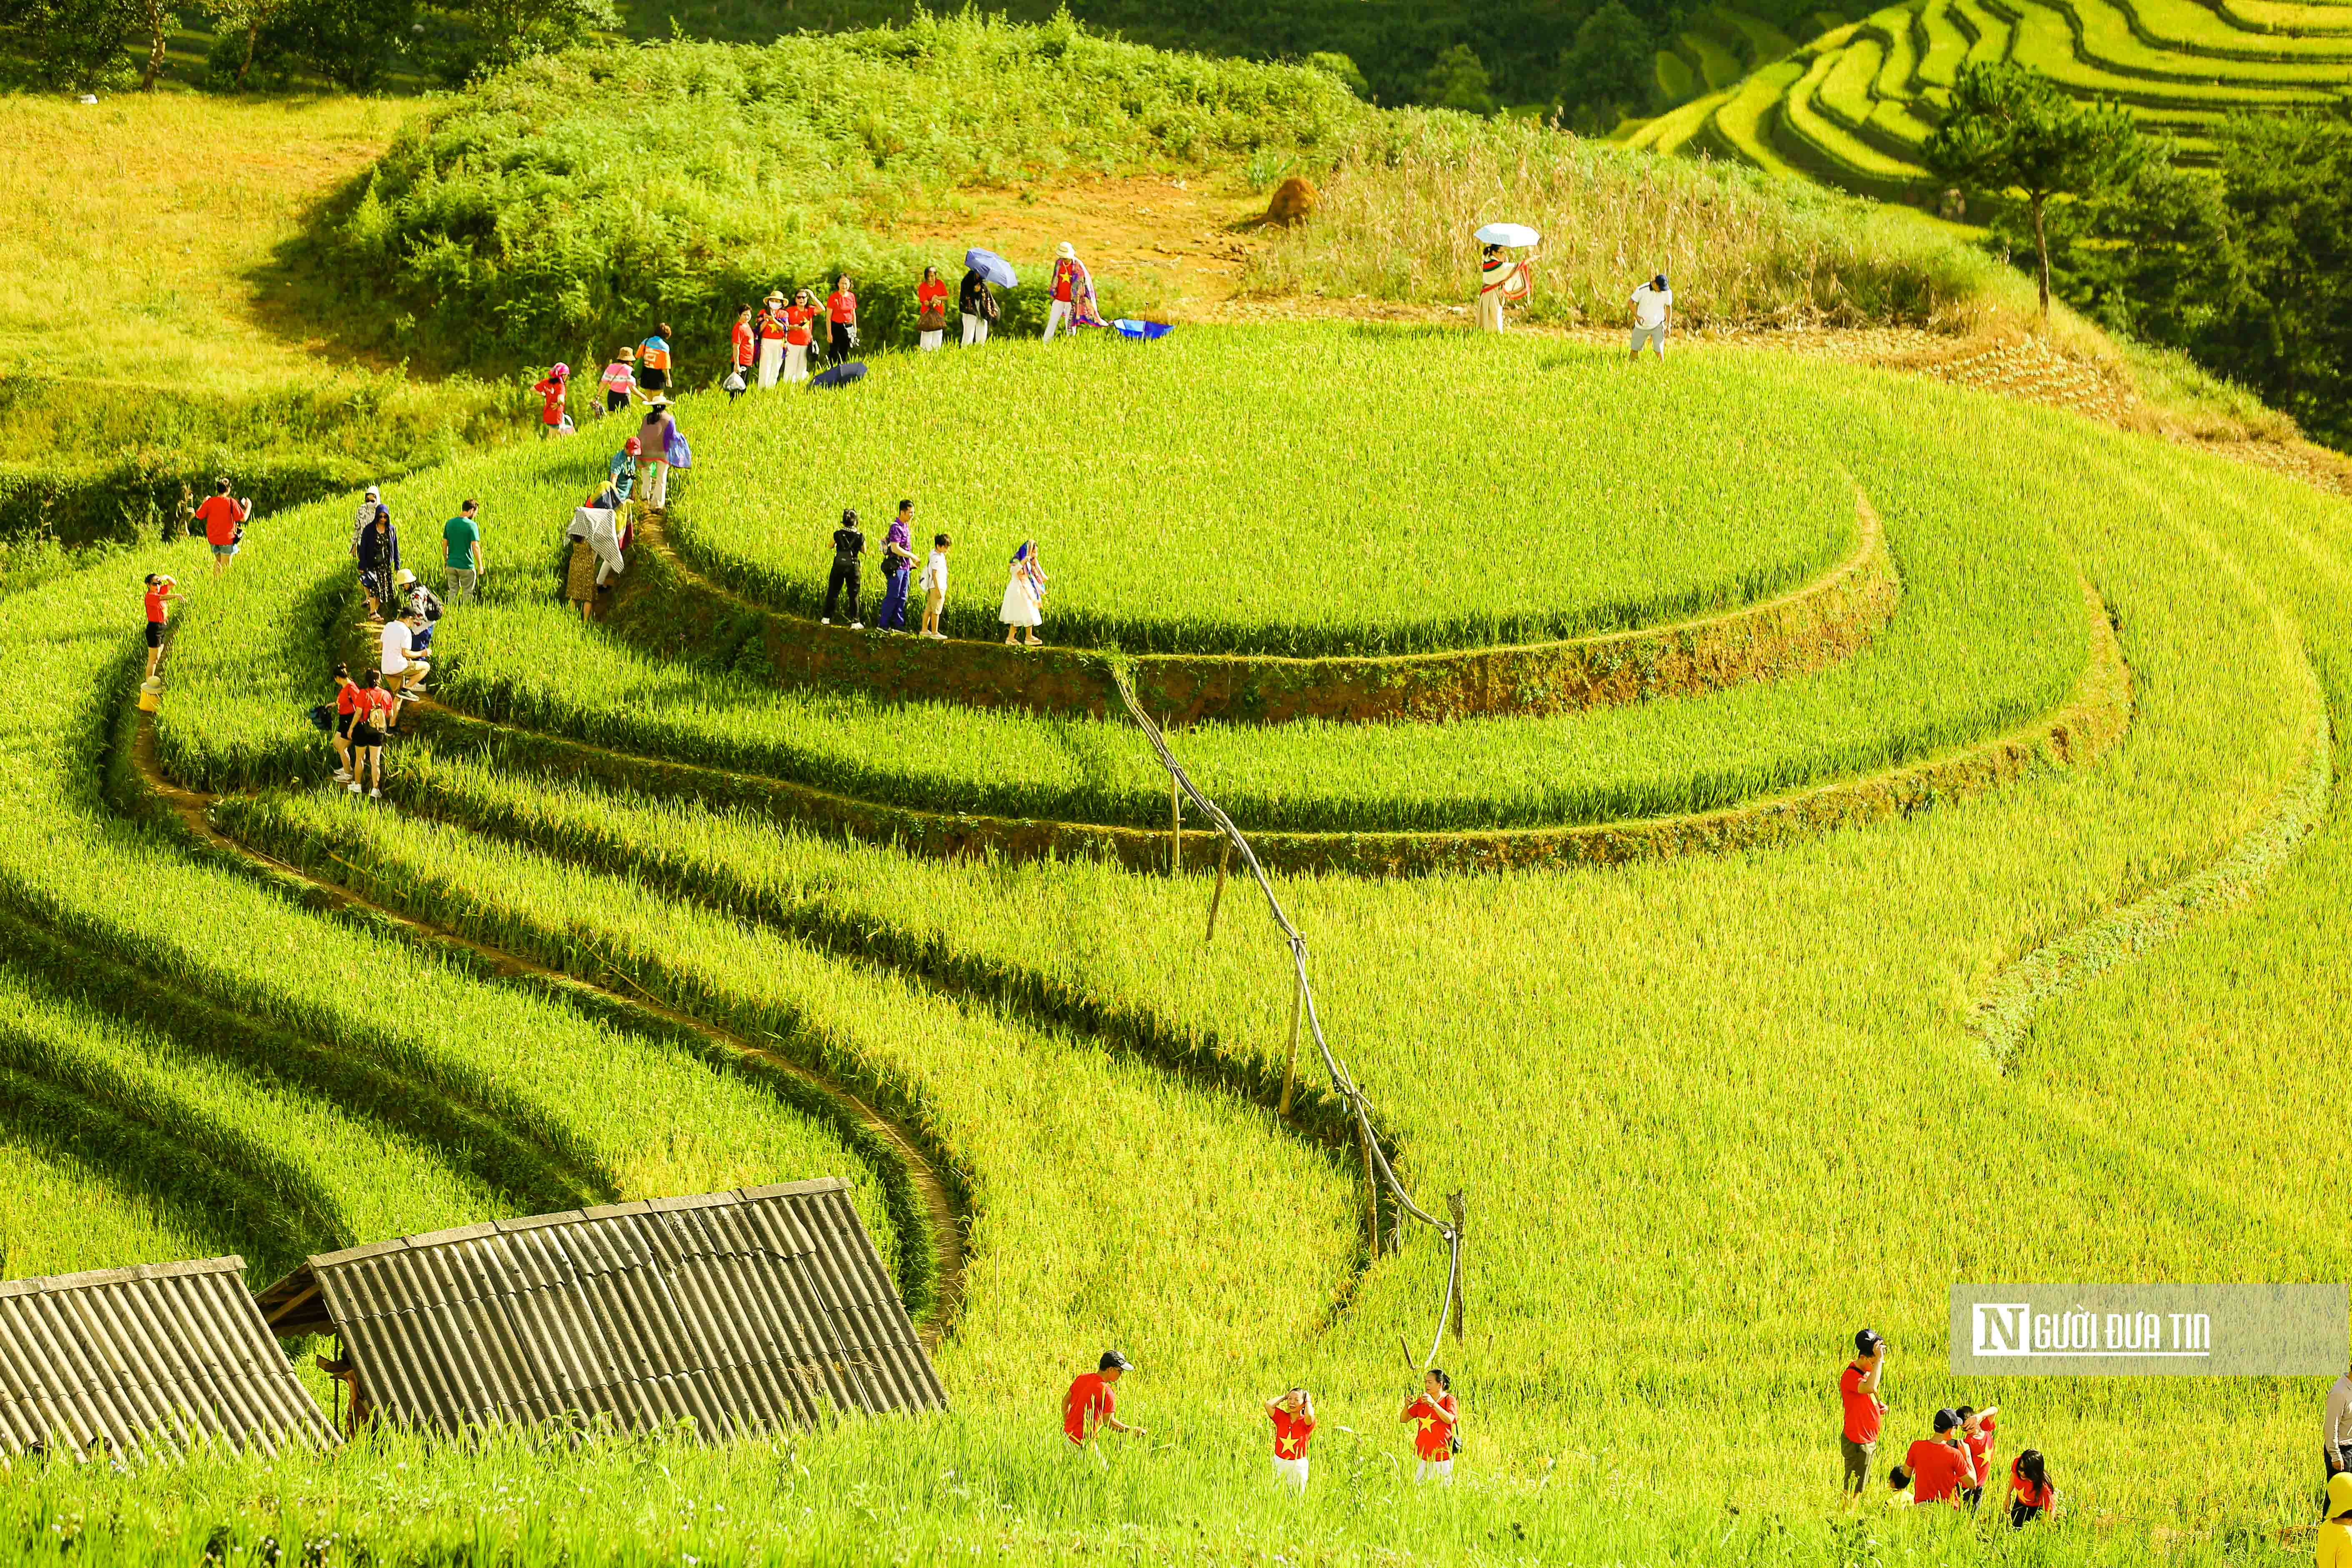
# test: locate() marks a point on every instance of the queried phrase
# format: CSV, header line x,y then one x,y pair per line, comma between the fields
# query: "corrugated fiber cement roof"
x,y
157,1356
740,1311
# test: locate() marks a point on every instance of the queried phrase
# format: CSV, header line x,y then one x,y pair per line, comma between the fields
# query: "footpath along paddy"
x,y
1644,1076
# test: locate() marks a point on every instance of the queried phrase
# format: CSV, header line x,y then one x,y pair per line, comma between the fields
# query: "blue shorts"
x,y
224,549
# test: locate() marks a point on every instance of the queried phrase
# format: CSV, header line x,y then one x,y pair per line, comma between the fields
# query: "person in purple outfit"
x,y
897,564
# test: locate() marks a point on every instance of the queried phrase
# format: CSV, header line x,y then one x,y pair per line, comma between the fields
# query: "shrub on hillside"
x,y
76,45
566,204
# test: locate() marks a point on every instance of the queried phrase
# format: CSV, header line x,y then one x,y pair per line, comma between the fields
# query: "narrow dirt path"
x,y
947,1218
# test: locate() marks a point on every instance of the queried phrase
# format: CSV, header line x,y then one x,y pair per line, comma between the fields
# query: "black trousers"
x,y
844,575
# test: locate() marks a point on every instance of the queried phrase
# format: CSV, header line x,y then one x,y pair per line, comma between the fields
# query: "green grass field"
x,y
1642,1075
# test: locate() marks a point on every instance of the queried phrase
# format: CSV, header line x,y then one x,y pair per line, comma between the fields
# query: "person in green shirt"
x,y
462,572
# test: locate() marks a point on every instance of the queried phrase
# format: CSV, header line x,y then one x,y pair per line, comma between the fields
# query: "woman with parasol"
x,y
1503,279
984,271
1073,293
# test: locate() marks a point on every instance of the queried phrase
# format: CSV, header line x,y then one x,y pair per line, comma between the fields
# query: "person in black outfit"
x,y
979,308
848,544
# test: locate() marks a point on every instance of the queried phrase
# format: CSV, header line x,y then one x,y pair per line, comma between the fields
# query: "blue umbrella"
x,y
993,267
1148,330
839,375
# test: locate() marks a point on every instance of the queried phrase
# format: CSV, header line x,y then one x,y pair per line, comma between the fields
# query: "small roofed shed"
x,y
159,1356
743,1311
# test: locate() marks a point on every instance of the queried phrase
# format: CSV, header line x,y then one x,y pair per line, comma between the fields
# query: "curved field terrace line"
x,y
667,605
2094,715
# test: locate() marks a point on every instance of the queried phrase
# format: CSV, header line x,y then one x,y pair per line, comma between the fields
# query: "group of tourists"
x,y
1951,1465
1021,611
1090,1409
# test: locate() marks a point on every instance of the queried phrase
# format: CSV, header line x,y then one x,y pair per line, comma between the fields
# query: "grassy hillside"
x,y
1642,1075
1852,107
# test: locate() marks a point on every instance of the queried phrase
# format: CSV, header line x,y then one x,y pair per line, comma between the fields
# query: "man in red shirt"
x,y
1858,1392
160,591
1433,1440
1293,1415
841,321
1089,1407
223,518
1940,1468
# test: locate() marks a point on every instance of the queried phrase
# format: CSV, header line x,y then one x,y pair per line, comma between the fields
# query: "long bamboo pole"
x,y
1290,1068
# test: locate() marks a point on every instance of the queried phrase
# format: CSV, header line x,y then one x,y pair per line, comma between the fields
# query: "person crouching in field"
x,y
160,591
1940,1468
1652,303
402,673
1858,1393
1090,1407
1293,1415
371,715
2031,1496
1438,1415
935,587
1898,1481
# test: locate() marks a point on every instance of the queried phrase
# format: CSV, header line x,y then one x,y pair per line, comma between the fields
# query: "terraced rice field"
x,y
1852,106
1644,1075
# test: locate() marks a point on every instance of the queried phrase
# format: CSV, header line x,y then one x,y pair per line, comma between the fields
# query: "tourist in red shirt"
x,y
1976,1437
223,518
1438,1417
771,338
1940,1468
2031,1493
1858,1392
745,341
346,705
1293,1415
550,388
930,310
160,591
797,336
1088,1408
841,321
371,712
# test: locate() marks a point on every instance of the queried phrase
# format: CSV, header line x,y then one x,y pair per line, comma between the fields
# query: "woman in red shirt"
x,y
1293,1415
930,309
796,335
1438,1417
552,388
2029,1484
371,712
840,320
771,338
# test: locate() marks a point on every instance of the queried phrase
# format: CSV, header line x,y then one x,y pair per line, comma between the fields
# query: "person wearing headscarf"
x,y
376,547
1073,293
552,388
595,552
1024,598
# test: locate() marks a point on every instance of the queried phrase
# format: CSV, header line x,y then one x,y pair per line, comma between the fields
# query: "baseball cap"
x,y
1946,1420
1659,281
1111,1359
1867,1340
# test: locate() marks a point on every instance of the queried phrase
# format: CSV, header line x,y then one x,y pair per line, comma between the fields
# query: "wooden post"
x,y
1224,849
1175,829
1371,1191
1457,1208
1290,1070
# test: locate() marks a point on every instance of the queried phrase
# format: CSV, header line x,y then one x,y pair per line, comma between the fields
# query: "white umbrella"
x,y
1508,234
